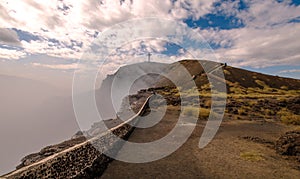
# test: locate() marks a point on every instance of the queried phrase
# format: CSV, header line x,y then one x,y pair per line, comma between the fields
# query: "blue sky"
x,y
52,35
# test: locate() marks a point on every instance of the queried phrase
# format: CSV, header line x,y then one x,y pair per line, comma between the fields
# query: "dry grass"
x,y
261,83
251,156
242,112
202,113
269,112
288,117
226,72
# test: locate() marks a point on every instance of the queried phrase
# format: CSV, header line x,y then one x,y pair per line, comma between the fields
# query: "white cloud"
x,y
66,21
267,38
290,71
268,13
51,49
193,8
48,20
11,54
73,66
263,47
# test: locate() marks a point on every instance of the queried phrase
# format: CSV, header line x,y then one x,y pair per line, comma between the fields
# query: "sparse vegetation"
x,y
269,112
194,111
284,88
251,156
205,87
292,119
250,97
242,112
288,117
191,111
236,90
207,103
226,72
204,113
261,83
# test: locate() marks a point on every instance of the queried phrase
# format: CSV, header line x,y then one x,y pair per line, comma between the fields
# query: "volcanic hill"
x,y
259,135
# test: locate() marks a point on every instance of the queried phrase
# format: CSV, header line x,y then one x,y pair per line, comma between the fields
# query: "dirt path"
x,y
229,155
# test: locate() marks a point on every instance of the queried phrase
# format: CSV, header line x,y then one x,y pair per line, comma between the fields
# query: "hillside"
x,y
258,138
242,78
260,127
250,95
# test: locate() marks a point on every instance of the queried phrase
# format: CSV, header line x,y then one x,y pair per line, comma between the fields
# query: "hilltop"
x,y
240,77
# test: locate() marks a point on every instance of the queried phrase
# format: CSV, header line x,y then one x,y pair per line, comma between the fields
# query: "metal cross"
x,y
149,54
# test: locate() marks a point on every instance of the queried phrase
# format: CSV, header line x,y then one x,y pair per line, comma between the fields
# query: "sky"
x,y
44,40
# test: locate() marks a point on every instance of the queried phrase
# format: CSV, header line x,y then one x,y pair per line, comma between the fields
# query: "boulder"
x,y
289,144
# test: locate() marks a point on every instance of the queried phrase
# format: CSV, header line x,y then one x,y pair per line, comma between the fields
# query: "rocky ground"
x,y
289,145
50,150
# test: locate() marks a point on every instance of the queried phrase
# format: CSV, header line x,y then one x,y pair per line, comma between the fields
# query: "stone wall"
x,y
85,160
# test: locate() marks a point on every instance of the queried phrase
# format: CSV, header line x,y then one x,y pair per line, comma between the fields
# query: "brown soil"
x,y
241,149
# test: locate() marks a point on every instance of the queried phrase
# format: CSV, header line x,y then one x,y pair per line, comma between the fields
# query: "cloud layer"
x,y
265,32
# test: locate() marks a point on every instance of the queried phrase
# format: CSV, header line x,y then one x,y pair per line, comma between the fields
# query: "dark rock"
x,y
258,140
289,144
294,105
49,150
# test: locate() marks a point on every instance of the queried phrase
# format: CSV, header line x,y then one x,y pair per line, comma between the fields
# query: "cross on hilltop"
x,y
149,55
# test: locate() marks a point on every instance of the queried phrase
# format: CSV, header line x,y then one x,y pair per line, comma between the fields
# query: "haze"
x,y
34,113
